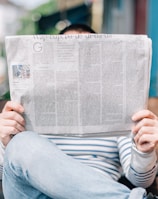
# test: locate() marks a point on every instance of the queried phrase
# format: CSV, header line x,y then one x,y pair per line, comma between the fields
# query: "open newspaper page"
x,y
79,85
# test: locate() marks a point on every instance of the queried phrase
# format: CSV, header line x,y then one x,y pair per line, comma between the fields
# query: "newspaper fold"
x,y
79,85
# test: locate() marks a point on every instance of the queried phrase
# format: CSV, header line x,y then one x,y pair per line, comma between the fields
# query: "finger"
x,y
145,130
143,114
13,106
146,147
144,122
13,124
12,115
146,143
11,127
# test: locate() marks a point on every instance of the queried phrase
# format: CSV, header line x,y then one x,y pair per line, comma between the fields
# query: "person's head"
x,y
77,29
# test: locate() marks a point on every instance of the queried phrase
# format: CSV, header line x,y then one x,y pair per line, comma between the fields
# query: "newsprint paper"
x,y
79,85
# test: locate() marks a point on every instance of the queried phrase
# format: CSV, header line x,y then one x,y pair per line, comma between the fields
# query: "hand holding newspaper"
x,y
79,85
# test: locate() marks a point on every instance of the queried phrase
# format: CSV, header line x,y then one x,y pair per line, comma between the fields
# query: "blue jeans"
x,y
34,168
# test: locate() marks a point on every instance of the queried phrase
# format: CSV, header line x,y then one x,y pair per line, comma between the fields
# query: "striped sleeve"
x,y
139,168
143,168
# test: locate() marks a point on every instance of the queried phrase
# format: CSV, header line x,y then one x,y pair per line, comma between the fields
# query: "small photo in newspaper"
x,y
21,71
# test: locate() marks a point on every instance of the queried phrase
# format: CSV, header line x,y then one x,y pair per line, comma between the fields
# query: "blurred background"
x,y
104,16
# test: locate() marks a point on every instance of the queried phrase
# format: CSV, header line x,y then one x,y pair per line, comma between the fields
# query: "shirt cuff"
x,y
142,162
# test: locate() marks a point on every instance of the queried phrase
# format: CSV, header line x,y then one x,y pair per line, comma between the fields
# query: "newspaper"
x,y
79,85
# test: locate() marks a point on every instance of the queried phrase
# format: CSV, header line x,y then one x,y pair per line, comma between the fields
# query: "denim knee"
x,y
20,147
22,139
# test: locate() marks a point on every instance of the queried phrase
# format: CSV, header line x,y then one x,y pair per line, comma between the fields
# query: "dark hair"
x,y
77,27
